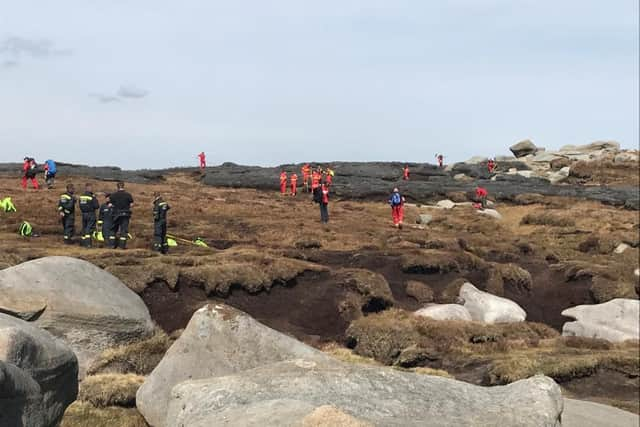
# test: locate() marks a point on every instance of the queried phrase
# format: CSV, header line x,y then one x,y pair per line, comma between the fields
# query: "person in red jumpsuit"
x,y
491,165
283,183
405,173
440,158
203,160
481,197
397,208
294,184
29,173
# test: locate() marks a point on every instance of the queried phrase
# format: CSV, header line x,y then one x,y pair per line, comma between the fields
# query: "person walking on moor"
x,y
160,208
405,173
122,203
397,208
105,220
283,183
29,169
66,210
88,206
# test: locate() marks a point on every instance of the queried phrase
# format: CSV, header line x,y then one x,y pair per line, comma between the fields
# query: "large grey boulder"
x,y
523,148
489,308
445,312
578,413
615,320
88,307
38,375
379,396
218,341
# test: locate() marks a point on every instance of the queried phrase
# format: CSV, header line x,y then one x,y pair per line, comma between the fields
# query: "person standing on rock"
x,y
160,209
122,203
405,173
283,183
396,201
329,173
203,160
440,159
88,206
66,210
321,197
105,222
316,179
294,184
491,165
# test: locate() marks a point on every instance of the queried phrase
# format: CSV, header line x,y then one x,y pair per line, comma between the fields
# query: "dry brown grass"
x,y
553,220
419,291
605,172
137,358
83,414
105,390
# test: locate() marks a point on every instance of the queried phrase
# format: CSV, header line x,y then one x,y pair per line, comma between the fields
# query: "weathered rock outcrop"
x,y
488,308
523,148
578,413
445,312
615,320
38,375
86,306
218,341
380,396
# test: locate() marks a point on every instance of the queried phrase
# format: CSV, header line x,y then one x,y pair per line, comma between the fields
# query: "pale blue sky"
x,y
152,83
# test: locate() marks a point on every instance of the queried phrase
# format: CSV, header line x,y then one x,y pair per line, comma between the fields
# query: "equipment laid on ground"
x,y
25,229
198,241
7,205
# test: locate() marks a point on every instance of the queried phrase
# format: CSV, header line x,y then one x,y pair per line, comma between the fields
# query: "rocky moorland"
x,y
522,314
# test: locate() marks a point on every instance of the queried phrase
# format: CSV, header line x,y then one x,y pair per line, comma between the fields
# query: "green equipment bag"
x,y
199,242
25,229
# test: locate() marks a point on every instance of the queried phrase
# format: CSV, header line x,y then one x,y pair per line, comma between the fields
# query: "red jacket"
x,y
325,194
481,192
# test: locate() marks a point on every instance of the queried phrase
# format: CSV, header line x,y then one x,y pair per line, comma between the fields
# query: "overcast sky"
x,y
152,83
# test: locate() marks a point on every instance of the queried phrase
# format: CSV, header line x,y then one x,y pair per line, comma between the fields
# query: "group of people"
x,y
108,222
316,181
30,170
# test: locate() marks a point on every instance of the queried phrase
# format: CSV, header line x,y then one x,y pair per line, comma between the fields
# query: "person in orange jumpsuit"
x,y
316,177
203,160
294,184
405,173
491,165
306,174
283,183
329,176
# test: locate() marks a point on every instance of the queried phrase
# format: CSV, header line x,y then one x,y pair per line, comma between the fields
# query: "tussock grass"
x,y
105,390
551,220
83,414
137,358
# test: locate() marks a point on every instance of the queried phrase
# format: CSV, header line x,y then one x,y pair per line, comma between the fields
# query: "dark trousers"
x,y
50,179
324,212
121,228
88,227
68,228
107,235
160,236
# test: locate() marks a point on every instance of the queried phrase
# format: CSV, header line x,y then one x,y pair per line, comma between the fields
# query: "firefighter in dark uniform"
x,y
122,202
105,222
66,210
160,208
88,206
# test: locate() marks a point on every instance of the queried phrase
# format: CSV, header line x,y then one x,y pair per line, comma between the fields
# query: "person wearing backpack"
x,y
397,207
50,171
321,197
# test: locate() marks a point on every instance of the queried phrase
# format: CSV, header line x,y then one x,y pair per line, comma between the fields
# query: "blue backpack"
x,y
52,166
396,199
